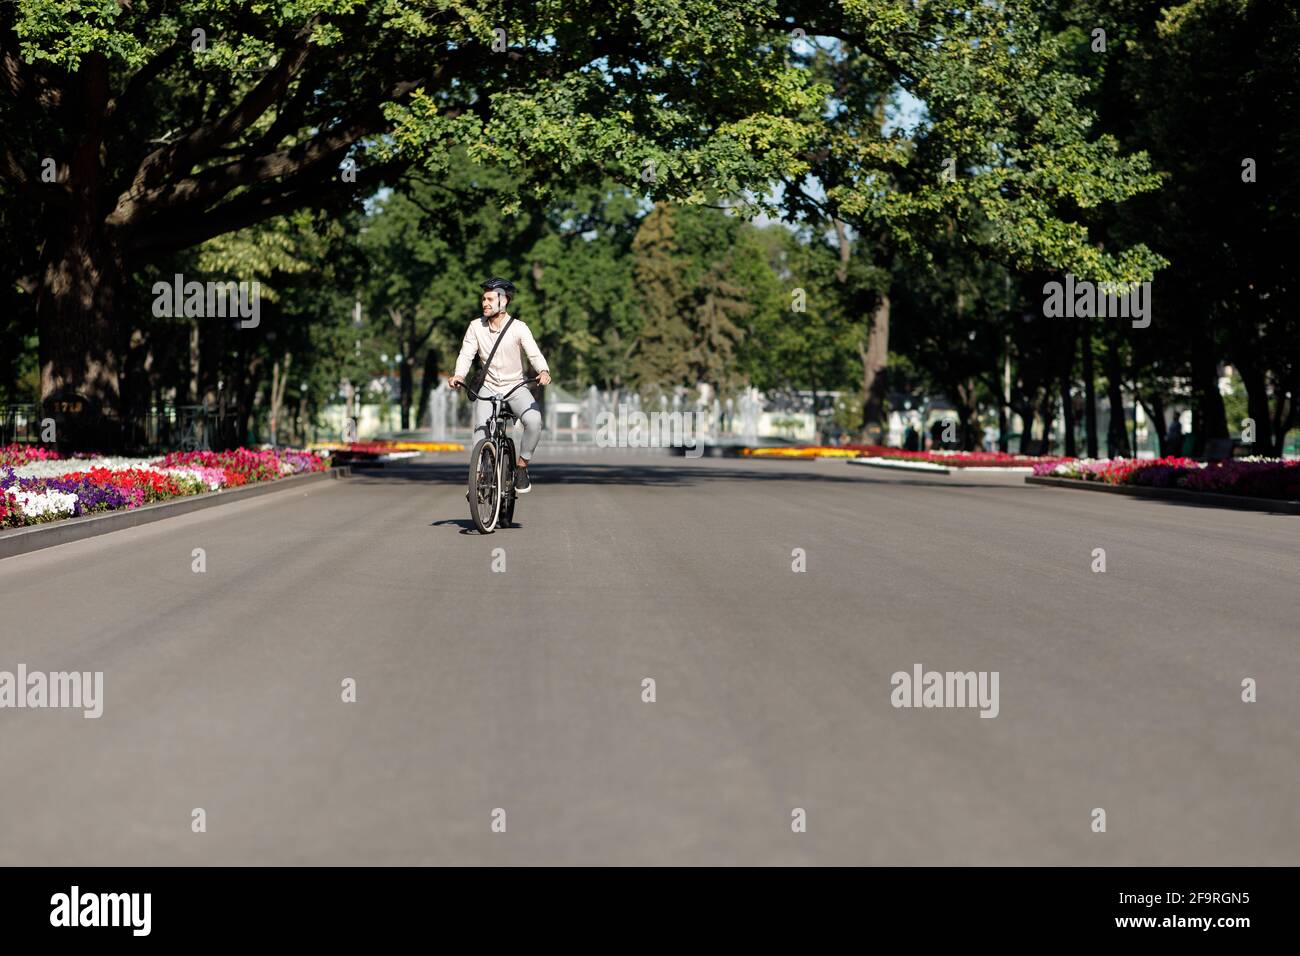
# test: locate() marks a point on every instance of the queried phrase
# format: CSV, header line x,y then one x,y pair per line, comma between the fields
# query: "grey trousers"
x,y
523,405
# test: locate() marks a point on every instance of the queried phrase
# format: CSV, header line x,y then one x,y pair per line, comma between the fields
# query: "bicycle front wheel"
x,y
507,484
484,489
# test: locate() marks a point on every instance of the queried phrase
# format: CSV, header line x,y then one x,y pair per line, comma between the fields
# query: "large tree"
x,y
955,119
1216,92
132,130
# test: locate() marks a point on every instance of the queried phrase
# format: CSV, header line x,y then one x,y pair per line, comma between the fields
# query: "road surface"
x,y
521,690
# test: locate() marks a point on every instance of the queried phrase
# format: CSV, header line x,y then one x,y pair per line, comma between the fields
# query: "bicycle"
x,y
492,465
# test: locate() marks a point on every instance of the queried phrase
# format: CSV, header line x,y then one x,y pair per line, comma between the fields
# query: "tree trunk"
x,y
1004,401
1117,444
1283,421
1089,390
1067,415
248,378
81,276
79,357
1209,418
1048,413
300,423
1065,369
194,364
969,437
1026,412
1252,376
407,389
428,383
874,356
279,381
1155,409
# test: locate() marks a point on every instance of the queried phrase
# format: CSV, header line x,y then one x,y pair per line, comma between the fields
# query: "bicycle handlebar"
x,y
474,396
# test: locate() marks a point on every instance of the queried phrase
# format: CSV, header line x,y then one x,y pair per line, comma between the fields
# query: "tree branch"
x,y
39,92
254,206
213,183
12,170
209,136
136,86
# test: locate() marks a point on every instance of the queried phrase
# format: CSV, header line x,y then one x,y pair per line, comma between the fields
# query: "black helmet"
x,y
505,285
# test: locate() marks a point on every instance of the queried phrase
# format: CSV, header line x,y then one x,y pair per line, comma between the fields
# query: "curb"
x,y
1209,498
23,540
900,466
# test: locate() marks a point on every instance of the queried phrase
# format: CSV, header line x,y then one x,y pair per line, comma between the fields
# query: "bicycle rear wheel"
x,y
484,491
508,494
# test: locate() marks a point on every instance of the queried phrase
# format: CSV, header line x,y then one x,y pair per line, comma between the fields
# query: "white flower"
x,y
56,469
212,483
38,504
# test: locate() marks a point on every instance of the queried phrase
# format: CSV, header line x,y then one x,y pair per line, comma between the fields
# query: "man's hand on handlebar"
x,y
458,381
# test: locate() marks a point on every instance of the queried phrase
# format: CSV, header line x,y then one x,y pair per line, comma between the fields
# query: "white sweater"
x,y
507,365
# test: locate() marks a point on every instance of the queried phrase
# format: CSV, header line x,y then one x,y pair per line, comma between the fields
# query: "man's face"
x,y
494,301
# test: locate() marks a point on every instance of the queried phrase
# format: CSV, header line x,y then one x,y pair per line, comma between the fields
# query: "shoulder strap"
x,y
495,345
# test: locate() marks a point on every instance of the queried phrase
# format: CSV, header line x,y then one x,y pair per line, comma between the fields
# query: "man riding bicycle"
x,y
511,339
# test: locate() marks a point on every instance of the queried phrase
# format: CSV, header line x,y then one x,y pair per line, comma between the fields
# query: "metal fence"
x,y
18,423
183,428
159,429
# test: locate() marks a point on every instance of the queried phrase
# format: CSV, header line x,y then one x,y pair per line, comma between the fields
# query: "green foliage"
x,y
666,338
814,348
592,154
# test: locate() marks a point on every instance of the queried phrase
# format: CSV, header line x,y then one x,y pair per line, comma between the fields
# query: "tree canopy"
x,y
926,155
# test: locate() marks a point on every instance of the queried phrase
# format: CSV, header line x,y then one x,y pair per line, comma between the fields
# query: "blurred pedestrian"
x,y
1174,436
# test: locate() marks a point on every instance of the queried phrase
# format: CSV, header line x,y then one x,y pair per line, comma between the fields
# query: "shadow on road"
x,y
673,472
466,525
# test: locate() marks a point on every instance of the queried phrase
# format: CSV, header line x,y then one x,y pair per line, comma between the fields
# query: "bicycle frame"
x,y
496,424
495,433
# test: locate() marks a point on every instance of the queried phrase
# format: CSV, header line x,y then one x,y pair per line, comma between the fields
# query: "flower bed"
x,y
386,446
949,459
803,451
1250,477
37,486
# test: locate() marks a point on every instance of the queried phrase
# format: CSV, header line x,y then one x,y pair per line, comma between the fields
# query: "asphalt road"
x,y
522,690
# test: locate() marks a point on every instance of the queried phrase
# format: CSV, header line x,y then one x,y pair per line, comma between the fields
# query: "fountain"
x,y
440,404
591,409
750,408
